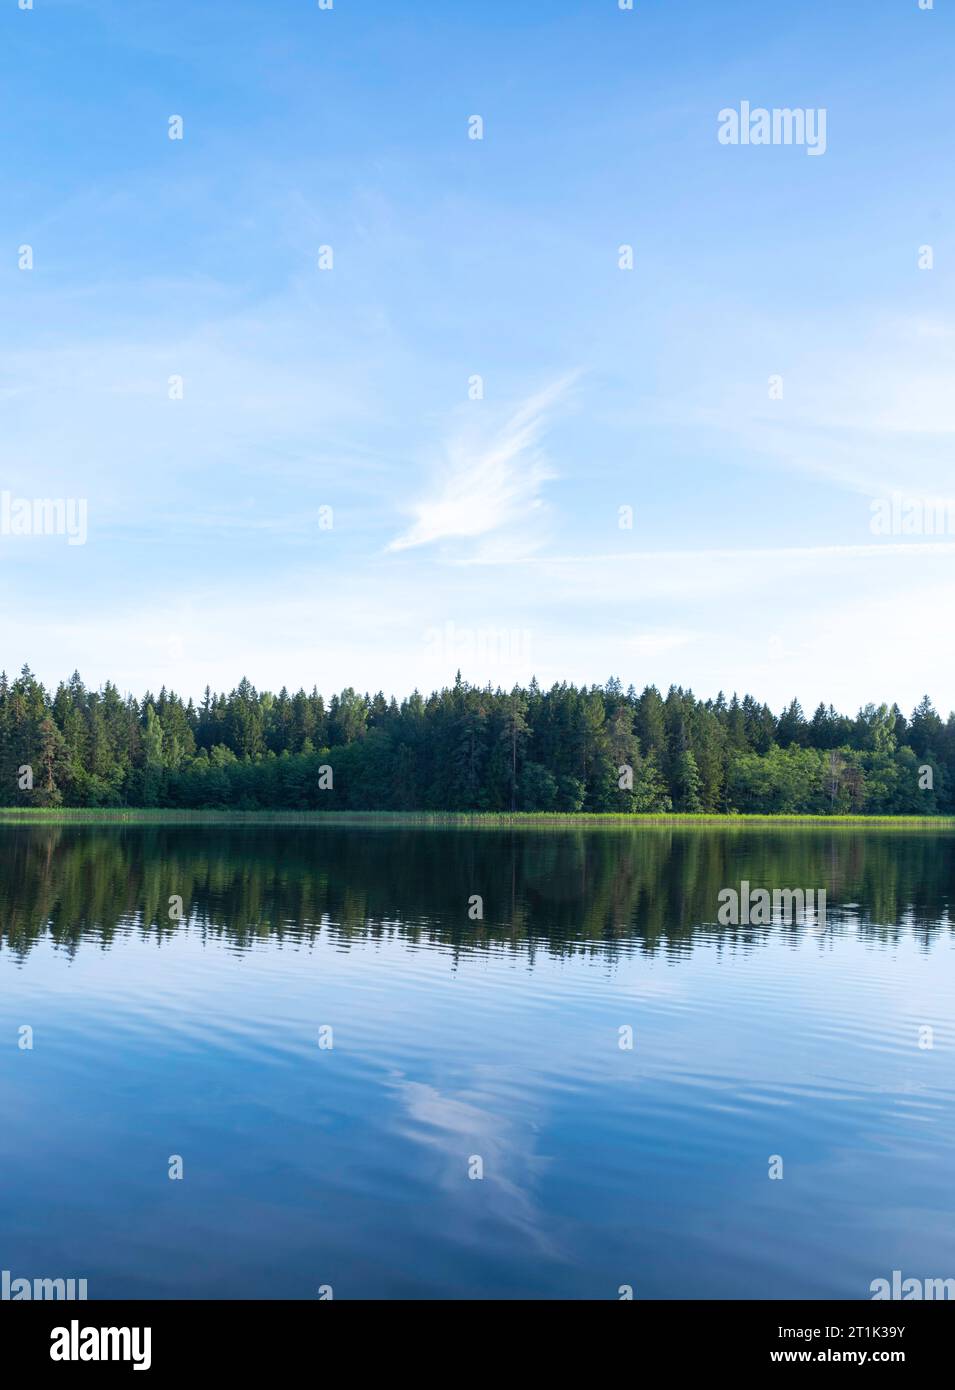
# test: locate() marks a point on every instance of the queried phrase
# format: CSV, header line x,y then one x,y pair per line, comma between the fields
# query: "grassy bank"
x,y
450,819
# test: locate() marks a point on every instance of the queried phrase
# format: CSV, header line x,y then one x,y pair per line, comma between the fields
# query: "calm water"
x,y
498,1038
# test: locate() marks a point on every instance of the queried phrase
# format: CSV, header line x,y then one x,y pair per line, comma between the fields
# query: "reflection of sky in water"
x,y
602,1167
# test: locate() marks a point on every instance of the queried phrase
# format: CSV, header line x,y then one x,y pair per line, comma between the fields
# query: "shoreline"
x,y
119,815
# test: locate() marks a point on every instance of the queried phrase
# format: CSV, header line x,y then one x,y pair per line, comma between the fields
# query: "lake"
x,y
373,1090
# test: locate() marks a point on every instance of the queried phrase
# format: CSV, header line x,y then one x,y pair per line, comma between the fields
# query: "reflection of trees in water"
x,y
562,890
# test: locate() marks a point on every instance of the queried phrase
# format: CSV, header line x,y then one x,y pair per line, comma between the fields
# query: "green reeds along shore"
x,y
556,820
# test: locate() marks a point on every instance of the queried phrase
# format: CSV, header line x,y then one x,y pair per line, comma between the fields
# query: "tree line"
x,y
468,748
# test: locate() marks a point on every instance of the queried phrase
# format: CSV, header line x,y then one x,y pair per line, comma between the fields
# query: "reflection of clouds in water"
x,y
458,1128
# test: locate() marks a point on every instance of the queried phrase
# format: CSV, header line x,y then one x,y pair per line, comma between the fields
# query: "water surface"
x,y
459,1039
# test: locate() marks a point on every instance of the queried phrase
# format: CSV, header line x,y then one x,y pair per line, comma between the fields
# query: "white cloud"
x,y
651,644
490,485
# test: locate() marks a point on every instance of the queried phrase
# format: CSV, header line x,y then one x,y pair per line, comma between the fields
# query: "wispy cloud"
x,y
489,484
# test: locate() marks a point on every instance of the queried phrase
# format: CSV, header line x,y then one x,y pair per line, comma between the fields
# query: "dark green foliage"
x,y
566,749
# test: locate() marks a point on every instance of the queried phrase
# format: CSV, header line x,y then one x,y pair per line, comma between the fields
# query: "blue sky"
x,y
478,533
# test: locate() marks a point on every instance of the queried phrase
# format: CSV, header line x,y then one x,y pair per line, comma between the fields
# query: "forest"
x,y
468,748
